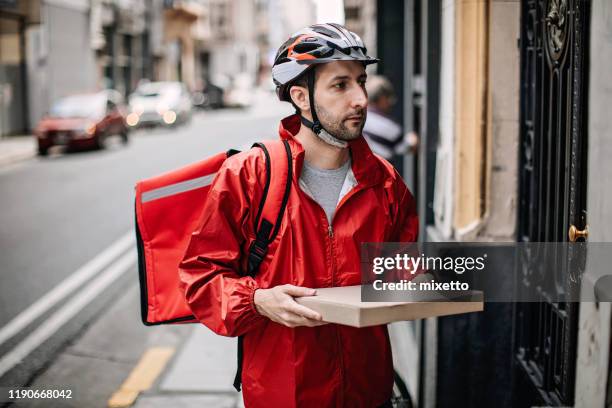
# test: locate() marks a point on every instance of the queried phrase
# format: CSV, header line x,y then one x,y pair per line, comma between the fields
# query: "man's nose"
x,y
359,98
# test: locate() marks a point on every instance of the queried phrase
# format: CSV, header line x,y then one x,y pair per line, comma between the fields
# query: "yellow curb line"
x,y
142,377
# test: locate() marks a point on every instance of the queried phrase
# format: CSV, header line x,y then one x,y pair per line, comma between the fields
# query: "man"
x,y
342,195
383,134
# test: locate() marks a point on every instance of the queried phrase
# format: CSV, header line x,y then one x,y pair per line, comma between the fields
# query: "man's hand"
x,y
278,305
412,141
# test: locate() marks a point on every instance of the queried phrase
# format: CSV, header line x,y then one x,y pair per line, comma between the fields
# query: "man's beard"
x,y
337,127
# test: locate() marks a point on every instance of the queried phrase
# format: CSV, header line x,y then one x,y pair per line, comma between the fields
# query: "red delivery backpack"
x,y
169,209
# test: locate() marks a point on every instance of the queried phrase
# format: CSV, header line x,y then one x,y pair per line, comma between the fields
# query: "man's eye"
x,y
340,85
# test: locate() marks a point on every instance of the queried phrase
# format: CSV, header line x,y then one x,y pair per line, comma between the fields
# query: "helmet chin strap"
x,y
316,125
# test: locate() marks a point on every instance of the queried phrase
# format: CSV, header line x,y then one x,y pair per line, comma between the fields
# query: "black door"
x,y
552,192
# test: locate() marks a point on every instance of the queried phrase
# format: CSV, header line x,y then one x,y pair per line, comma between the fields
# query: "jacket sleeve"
x,y
217,294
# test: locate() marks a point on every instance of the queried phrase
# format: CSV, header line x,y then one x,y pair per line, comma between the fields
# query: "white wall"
x,y
443,194
70,62
38,90
504,86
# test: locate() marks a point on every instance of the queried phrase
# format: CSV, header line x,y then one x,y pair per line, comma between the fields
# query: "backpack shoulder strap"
x,y
279,176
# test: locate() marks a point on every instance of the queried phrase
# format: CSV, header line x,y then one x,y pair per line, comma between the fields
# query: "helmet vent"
x,y
305,47
281,57
325,31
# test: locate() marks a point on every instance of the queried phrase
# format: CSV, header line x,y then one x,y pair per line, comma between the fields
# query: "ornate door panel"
x,y
552,192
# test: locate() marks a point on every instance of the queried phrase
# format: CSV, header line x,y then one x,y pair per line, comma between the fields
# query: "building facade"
x,y
54,48
509,101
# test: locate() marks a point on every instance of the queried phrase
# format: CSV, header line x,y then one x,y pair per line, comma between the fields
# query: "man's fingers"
x,y
285,310
304,311
314,323
298,291
295,320
290,319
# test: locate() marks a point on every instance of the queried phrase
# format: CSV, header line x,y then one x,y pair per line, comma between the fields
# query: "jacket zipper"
x,y
337,330
330,233
330,236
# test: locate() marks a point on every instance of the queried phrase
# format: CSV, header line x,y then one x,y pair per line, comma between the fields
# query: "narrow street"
x,y
70,314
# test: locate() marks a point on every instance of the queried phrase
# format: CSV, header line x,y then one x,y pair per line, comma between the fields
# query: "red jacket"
x,y
326,366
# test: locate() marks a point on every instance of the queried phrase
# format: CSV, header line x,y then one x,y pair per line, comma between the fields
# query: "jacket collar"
x,y
365,166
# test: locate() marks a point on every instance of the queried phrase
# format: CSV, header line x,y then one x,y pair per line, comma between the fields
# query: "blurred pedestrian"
x,y
384,135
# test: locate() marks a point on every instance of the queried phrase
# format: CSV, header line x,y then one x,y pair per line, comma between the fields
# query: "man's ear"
x,y
299,96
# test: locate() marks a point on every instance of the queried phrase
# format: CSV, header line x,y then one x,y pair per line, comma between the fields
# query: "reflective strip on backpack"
x,y
177,188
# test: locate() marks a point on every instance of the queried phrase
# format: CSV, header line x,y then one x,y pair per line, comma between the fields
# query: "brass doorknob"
x,y
574,233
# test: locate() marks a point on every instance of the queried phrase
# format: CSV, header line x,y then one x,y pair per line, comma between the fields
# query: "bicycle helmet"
x,y
315,44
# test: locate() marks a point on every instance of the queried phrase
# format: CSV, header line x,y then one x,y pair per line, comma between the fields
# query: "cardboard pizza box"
x,y
343,305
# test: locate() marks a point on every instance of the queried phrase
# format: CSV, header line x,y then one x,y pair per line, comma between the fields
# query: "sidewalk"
x,y
16,148
200,374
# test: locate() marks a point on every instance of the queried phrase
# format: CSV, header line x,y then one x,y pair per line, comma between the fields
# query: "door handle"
x,y
574,233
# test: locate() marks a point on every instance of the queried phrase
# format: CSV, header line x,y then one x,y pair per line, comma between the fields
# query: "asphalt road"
x,y
59,213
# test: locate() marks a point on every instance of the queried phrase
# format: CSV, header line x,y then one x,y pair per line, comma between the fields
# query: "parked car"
x,y
83,121
209,97
159,103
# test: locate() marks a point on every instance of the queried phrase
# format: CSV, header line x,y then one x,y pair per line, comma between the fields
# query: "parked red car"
x,y
83,121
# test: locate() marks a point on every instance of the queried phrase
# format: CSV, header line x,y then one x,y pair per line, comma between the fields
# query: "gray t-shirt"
x,y
325,185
